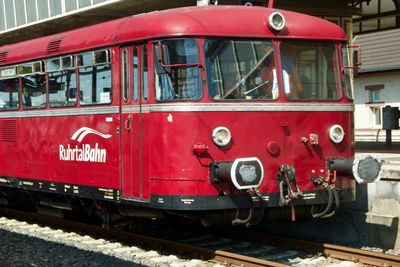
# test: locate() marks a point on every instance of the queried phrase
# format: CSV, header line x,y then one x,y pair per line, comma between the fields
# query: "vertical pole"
x,y
388,137
270,3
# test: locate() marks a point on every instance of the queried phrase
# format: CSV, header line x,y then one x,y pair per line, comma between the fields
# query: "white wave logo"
x,y
84,152
82,132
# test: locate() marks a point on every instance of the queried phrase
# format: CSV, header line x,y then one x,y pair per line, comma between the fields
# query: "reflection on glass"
x,y
135,70
101,56
95,85
25,69
178,74
347,72
145,74
84,59
62,88
124,72
9,96
370,25
34,91
310,70
67,62
53,64
388,22
241,70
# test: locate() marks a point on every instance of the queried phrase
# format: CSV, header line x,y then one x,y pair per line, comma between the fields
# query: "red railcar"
x,y
215,113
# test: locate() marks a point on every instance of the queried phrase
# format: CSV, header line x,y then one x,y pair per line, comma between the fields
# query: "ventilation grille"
x,y
3,56
54,45
9,131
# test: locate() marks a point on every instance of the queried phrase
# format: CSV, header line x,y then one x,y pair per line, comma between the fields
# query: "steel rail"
x,y
212,255
334,251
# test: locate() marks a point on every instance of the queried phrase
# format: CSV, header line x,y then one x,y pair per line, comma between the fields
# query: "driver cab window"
x,y
310,70
177,70
241,70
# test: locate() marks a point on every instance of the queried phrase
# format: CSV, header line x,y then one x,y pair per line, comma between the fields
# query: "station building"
x,y
378,81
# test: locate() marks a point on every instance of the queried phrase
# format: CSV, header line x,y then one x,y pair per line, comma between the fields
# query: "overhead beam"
x,y
338,8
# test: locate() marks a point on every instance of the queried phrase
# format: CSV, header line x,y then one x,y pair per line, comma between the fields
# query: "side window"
x,y
347,72
9,96
62,82
135,74
95,85
34,91
124,74
145,73
177,73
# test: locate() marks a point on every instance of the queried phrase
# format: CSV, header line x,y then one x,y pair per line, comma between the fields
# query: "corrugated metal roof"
x,y
380,50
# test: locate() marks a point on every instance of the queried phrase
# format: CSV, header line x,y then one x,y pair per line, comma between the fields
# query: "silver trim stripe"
x,y
250,107
135,109
178,108
60,112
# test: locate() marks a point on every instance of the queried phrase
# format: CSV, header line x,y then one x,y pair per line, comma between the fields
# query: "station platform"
x,y
390,155
373,220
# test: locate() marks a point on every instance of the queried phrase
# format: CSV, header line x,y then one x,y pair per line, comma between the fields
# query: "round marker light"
x,y
336,133
277,21
221,136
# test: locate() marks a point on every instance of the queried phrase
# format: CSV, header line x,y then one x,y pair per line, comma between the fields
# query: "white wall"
x,y
390,96
365,129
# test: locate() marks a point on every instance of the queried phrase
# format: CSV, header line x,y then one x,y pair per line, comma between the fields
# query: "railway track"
x,y
214,255
330,250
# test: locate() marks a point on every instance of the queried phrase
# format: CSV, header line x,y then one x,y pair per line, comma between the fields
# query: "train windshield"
x,y
241,70
310,70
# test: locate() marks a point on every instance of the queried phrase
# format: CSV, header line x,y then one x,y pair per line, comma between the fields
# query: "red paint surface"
x,y
169,166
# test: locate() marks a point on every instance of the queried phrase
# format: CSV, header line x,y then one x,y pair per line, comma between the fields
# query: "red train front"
x,y
212,113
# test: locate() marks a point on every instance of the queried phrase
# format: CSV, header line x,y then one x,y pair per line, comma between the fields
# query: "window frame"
x,y
155,49
337,75
18,107
95,63
23,106
125,74
238,68
62,68
347,73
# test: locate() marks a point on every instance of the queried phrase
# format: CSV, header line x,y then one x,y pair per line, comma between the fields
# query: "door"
x,y
134,92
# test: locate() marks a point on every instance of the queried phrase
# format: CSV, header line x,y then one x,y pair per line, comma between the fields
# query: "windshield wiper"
x,y
257,86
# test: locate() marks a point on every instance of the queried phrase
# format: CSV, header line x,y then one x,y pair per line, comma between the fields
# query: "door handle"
x,y
128,123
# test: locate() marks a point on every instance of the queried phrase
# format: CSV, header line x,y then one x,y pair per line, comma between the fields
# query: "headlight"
x,y
336,133
276,21
221,136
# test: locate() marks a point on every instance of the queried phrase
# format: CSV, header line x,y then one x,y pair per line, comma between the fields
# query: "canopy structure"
x,y
22,20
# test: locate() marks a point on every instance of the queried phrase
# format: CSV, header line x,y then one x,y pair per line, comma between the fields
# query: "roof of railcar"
x,y
232,21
